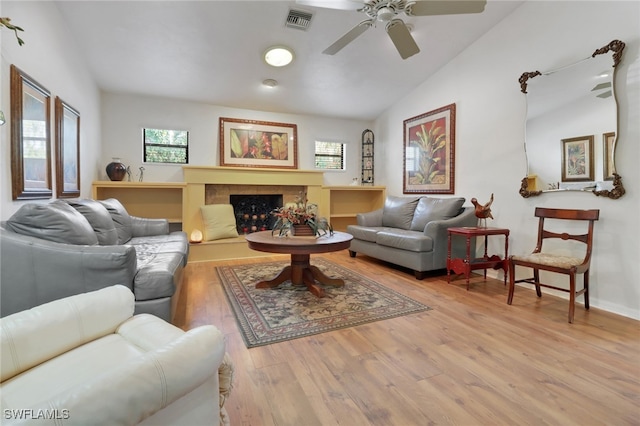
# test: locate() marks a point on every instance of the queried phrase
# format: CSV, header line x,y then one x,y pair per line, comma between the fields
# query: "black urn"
x,y
116,170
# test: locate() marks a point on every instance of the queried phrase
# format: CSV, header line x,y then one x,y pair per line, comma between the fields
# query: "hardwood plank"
x,y
472,359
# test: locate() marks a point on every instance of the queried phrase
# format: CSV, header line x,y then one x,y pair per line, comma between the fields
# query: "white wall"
x,y
48,56
483,82
124,116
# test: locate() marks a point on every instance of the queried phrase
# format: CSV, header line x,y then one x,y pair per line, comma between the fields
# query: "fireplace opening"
x,y
253,212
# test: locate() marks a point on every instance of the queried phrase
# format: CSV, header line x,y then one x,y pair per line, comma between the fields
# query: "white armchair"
x,y
87,360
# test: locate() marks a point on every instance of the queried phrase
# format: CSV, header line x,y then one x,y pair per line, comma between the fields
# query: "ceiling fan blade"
x,y
402,38
348,37
445,7
333,4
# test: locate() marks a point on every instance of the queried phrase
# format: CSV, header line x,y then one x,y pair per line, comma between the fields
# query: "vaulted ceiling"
x,y
211,52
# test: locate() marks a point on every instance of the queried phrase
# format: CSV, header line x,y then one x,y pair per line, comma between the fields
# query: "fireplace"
x,y
253,211
213,185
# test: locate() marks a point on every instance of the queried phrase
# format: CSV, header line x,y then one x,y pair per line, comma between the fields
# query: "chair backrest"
x,y
567,214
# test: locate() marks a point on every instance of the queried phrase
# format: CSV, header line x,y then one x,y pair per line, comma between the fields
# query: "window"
x,y
166,146
330,155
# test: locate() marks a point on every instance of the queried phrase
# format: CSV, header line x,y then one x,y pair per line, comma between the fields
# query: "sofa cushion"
x,y
398,211
405,240
176,242
56,221
157,275
365,233
120,217
99,218
430,209
219,221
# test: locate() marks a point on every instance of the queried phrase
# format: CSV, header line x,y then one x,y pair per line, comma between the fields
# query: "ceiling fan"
x,y
387,11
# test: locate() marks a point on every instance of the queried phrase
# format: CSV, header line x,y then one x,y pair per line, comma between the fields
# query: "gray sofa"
x,y
412,232
66,247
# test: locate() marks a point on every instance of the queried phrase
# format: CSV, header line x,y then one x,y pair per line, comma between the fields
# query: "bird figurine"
x,y
483,211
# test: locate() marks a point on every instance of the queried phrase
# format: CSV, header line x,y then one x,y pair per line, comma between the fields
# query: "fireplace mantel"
x,y
197,177
251,176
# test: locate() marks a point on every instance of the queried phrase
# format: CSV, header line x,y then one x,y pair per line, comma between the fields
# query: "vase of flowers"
x,y
300,219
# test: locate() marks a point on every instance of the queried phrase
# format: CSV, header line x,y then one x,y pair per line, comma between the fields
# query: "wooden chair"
x,y
539,260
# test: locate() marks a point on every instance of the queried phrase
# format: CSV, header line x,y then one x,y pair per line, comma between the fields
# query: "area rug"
x,y
287,312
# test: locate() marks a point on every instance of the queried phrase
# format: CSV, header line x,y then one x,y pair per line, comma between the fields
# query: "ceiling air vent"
x,y
298,19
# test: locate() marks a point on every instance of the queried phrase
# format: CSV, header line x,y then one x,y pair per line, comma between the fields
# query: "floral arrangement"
x,y
300,213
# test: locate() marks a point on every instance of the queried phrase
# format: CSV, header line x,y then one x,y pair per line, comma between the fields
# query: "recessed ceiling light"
x,y
270,82
278,56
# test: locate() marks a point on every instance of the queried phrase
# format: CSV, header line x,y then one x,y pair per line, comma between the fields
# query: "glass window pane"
x,y
166,146
329,155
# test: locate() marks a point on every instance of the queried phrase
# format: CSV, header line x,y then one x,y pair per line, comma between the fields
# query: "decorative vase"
x,y
303,230
116,170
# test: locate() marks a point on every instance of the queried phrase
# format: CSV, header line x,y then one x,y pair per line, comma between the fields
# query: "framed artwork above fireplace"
x,y
252,143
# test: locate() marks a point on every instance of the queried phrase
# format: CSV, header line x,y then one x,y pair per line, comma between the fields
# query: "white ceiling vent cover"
x,y
298,19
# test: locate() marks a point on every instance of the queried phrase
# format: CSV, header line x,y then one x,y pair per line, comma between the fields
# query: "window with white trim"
x,y
165,146
330,155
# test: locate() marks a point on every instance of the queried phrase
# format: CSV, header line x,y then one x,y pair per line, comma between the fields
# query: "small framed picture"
x,y
577,159
608,146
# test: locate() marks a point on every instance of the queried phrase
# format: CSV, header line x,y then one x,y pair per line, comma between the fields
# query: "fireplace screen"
x,y
253,212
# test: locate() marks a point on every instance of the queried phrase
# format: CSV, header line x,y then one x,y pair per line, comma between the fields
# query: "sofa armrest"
x,y
373,218
143,386
145,227
31,337
36,271
437,230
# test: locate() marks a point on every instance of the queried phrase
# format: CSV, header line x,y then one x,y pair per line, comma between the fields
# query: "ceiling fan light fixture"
x,y
385,14
278,56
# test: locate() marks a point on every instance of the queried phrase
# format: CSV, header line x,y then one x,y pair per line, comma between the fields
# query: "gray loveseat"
x,y
66,247
412,232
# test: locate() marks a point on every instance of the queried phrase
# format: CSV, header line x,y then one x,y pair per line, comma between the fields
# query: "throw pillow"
x,y
430,209
56,221
120,217
219,221
99,218
398,211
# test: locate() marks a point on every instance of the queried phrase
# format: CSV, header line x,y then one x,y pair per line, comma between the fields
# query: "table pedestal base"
x,y
301,272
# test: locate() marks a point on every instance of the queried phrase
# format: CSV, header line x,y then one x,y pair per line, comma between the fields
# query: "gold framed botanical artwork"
x,y
429,152
252,143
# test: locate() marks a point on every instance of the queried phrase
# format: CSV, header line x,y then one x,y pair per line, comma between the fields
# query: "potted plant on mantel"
x,y
300,219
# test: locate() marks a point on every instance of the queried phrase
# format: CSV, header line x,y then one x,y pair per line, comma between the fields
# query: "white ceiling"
x,y
211,52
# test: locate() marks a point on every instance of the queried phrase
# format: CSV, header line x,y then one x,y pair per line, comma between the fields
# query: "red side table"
x,y
468,264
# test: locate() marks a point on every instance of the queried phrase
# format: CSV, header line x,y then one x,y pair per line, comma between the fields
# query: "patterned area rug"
x,y
288,312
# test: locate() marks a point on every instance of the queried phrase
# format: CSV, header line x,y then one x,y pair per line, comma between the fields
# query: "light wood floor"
x,y
471,360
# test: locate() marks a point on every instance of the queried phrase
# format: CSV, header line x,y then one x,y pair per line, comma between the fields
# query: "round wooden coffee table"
x,y
300,271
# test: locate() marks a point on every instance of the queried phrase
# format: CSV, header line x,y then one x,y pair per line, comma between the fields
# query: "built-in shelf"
x,y
157,200
345,202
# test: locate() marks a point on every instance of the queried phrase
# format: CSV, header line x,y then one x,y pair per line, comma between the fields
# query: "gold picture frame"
x,y
429,152
253,143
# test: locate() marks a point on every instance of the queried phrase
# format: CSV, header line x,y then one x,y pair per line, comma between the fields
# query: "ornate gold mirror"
x,y
572,127
30,138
